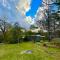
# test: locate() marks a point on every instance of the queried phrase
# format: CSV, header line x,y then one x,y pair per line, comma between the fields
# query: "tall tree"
x,y
17,32
4,27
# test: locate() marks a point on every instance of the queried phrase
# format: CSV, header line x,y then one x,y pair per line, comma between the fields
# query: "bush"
x,y
56,41
1,38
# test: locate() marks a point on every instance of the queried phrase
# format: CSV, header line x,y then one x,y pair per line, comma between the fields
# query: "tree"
x,y
52,18
17,33
33,27
4,27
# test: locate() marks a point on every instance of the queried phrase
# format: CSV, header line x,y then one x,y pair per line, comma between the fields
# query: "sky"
x,y
22,11
35,4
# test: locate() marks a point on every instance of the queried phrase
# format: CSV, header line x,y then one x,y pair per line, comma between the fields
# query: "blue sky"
x,y
35,4
34,7
8,10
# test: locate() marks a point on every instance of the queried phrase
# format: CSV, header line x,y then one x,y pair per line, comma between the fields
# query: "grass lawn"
x,y
13,52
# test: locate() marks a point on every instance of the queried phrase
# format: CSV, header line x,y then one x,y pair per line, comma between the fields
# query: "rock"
x,y
26,52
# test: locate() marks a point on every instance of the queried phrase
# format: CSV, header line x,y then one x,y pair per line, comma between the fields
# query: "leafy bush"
x,y
56,41
1,38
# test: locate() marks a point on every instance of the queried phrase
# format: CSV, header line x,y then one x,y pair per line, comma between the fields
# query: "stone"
x,y
26,52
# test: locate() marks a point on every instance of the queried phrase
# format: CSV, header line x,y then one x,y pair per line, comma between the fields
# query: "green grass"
x,y
13,52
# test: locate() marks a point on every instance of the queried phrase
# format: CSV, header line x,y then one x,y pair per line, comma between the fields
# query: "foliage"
x,y
4,28
44,34
56,40
33,27
10,33
1,38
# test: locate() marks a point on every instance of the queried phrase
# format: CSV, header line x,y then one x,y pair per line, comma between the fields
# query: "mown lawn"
x,y
13,52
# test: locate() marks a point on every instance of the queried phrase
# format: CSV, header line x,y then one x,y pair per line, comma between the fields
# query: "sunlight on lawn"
x,y
13,52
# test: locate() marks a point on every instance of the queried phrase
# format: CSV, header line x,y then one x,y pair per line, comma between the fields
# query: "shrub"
x,y
1,38
56,41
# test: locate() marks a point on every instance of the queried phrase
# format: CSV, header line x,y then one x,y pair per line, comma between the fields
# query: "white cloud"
x,y
23,6
40,15
4,3
29,20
